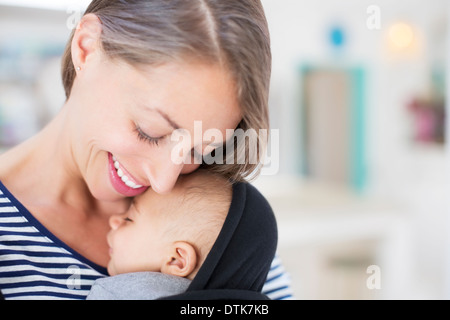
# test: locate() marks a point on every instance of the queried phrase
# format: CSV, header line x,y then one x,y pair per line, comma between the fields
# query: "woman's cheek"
x,y
189,168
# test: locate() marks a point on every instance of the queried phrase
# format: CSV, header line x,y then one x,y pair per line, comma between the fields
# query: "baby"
x,y
159,245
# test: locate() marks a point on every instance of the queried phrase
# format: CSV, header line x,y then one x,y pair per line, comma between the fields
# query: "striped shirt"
x,y
278,283
36,265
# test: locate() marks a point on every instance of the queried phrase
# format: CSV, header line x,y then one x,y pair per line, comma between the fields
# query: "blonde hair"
x,y
233,33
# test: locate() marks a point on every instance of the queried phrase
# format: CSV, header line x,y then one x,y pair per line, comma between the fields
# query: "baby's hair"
x,y
207,197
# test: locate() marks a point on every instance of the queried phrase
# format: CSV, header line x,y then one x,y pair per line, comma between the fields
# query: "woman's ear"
x,y
181,260
86,39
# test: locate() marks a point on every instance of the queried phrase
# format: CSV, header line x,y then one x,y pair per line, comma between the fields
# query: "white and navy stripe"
x,y
34,264
278,283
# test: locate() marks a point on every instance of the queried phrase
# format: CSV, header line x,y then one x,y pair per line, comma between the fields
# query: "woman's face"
x,y
122,119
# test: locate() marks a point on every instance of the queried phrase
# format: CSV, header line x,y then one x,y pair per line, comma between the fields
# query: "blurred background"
x,y
359,99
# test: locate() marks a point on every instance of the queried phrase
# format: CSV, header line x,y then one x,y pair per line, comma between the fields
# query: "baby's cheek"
x,y
111,268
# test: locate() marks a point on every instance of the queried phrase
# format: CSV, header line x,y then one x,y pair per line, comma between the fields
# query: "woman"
x,y
134,72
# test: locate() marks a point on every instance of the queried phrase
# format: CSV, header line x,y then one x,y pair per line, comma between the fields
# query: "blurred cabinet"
x,y
333,136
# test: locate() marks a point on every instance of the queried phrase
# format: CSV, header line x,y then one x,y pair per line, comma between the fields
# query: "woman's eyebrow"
x,y
166,117
172,123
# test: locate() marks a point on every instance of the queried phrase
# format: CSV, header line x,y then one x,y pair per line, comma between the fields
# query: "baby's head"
x,y
171,233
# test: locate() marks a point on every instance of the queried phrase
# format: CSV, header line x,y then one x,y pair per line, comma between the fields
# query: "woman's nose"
x,y
163,179
115,222
164,172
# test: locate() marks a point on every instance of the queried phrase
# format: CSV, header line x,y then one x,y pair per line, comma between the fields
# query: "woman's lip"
x,y
118,184
125,172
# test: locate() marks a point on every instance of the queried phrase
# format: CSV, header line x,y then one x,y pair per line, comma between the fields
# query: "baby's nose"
x,y
115,222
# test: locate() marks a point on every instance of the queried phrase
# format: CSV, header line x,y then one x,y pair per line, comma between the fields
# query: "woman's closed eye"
x,y
142,136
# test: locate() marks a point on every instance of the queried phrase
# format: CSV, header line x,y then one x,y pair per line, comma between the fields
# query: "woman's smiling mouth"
x,y
125,178
122,181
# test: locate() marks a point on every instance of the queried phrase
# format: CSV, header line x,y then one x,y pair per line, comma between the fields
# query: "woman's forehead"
x,y
184,93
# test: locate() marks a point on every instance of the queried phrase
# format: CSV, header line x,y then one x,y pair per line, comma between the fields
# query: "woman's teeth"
x,y
124,178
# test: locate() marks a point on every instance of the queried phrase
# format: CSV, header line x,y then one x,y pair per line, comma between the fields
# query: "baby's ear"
x,y
181,260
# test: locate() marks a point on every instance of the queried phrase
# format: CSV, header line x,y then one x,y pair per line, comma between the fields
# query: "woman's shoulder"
x,y
9,164
14,159
7,200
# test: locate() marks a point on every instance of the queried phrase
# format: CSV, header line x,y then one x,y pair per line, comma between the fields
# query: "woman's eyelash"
x,y
144,137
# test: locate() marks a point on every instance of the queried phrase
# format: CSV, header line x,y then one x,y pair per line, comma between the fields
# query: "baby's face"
x,y
136,239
